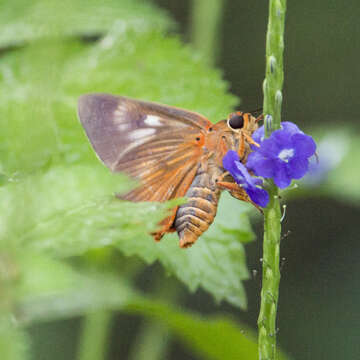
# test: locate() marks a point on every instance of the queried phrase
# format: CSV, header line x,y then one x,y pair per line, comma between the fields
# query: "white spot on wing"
x,y
120,114
123,127
152,120
140,133
117,113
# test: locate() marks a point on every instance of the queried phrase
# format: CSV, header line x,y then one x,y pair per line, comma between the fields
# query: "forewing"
x,y
156,144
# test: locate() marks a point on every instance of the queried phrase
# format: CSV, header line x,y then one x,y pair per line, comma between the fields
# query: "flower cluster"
x,y
282,157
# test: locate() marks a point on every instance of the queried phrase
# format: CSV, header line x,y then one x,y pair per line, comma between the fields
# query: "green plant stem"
x,y
272,214
206,16
274,77
270,278
94,338
152,341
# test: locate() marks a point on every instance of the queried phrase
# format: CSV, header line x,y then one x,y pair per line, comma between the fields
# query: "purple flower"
x,y
232,164
283,156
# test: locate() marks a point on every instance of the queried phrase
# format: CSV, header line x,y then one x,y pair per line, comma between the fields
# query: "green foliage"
x,y
69,186
57,201
206,336
216,338
22,21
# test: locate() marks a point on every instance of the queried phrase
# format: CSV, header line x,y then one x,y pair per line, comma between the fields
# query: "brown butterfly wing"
x,y
156,144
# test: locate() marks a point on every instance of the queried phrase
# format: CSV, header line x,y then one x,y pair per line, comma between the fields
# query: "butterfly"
x,y
172,152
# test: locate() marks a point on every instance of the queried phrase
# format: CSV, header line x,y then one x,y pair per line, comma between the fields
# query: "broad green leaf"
x,y
216,262
67,215
60,199
38,130
33,206
151,67
22,20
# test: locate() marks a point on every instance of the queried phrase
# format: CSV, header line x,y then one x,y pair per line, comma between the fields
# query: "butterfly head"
x,y
235,133
242,122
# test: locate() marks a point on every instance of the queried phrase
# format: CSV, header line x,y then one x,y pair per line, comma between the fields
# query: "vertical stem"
x,y
152,341
94,335
272,227
206,16
274,65
270,278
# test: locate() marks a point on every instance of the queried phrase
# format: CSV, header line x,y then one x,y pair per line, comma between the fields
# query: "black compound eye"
x,y
236,122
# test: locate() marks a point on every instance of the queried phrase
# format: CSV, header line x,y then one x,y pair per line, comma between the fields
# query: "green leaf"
x,y
71,223
39,130
217,261
22,20
62,200
32,208
152,67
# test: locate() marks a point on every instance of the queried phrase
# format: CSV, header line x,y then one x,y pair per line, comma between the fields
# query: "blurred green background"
x,y
79,276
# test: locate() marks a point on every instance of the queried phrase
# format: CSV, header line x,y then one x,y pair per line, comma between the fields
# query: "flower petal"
x,y
243,172
258,135
298,167
239,172
304,145
229,161
281,177
269,148
290,128
258,196
282,138
260,165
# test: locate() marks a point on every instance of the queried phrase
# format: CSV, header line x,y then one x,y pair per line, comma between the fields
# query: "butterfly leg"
x,y
222,176
250,140
241,149
166,225
237,192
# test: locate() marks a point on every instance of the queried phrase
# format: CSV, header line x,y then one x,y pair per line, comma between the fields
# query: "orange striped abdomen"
x,y
194,217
